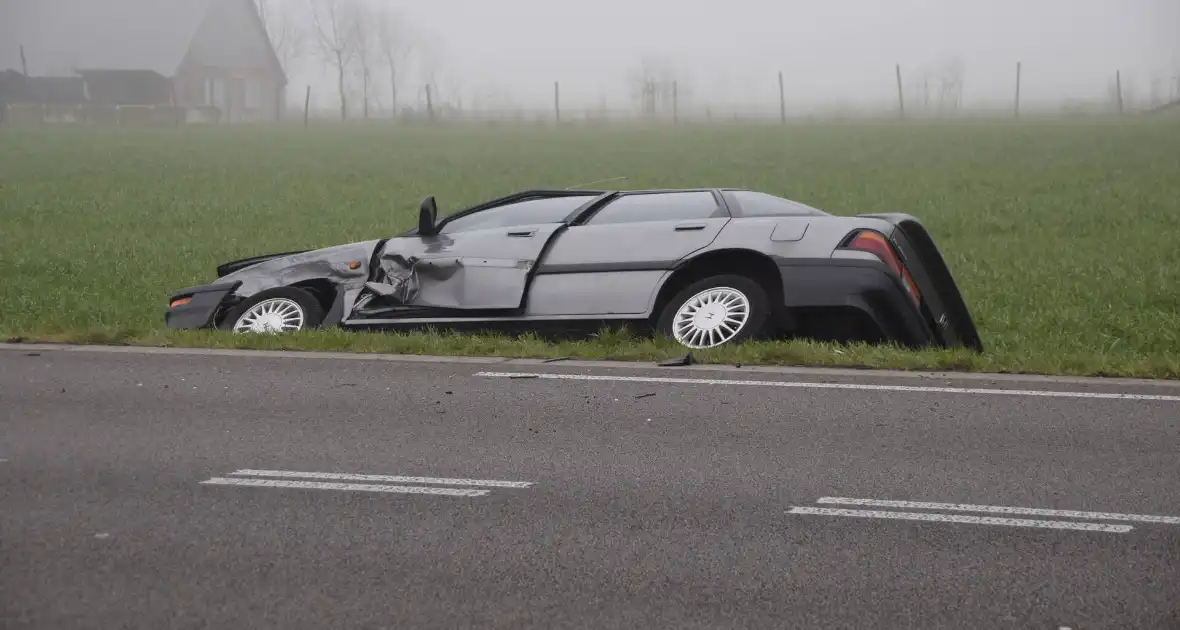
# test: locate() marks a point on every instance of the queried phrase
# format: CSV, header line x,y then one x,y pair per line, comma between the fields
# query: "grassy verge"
x,y
1060,233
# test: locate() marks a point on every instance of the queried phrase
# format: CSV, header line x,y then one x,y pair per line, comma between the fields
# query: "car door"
x,y
612,263
481,261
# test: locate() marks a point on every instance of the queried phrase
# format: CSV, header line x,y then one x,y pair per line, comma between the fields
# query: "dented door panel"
x,y
475,270
593,294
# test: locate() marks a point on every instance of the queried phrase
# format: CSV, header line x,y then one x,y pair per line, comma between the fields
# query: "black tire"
x,y
313,313
754,326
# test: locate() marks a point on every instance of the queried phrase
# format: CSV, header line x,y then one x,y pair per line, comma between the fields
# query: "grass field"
x,y
1062,234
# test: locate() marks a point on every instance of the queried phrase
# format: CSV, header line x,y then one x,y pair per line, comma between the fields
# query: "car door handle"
x,y
522,233
684,227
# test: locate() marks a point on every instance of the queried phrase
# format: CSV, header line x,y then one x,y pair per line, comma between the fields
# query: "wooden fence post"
x,y
1118,87
900,95
782,100
675,102
306,106
1017,110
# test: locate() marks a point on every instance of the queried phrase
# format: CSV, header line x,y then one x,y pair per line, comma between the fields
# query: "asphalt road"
x,y
640,504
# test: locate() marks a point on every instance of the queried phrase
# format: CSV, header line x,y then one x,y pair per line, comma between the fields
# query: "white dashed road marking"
x,y
293,479
1000,509
357,487
982,520
806,385
390,478
955,518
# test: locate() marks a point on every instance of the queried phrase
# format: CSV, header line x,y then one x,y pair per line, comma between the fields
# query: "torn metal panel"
x,y
456,282
486,269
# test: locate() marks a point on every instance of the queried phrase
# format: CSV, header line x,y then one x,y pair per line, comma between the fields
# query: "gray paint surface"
x,y
330,263
566,269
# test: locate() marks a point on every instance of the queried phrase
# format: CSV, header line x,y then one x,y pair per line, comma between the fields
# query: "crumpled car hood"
x,y
331,263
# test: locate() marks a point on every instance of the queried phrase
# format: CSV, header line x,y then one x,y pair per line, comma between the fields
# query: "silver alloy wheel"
x,y
271,316
711,317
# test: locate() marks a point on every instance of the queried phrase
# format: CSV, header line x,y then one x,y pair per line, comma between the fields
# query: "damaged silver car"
x,y
707,267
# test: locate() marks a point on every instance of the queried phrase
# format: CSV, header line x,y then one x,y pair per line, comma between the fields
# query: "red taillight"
x,y
876,243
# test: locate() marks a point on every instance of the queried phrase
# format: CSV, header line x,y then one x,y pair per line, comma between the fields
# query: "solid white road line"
x,y
805,385
390,478
975,520
999,509
358,487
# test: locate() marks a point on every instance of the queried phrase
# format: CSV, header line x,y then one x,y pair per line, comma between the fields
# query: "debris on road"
x,y
523,376
677,362
645,395
556,359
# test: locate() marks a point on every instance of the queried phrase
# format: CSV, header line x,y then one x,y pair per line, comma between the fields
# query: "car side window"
x,y
757,204
530,211
671,206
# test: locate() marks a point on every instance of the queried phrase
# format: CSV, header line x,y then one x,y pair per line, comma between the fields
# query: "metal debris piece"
x,y
679,361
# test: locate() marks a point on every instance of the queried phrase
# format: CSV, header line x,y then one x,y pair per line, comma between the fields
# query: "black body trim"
x,y
661,265
949,311
200,311
869,286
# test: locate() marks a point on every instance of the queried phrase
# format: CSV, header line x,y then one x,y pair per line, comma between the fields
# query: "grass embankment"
x,y
1062,235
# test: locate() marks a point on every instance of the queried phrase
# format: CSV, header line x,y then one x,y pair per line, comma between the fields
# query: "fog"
x,y
726,56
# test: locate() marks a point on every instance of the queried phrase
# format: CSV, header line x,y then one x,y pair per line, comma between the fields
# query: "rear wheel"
x,y
285,309
715,311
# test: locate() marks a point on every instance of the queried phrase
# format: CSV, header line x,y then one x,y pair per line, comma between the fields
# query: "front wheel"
x,y
716,311
285,309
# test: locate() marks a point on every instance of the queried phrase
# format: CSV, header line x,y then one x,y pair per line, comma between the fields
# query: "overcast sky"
x,y
830,51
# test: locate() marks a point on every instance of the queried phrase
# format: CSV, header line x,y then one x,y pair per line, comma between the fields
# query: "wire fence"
x,y
655,102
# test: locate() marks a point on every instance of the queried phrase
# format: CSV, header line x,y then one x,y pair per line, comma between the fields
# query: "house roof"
x,y
63,36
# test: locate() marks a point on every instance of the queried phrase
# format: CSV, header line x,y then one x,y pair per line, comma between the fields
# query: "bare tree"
x,y
360,24
283,29
950,84
432,61
395,44
332,21
652,84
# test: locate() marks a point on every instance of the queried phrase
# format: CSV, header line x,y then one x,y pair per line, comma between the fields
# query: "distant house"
x,y
189,53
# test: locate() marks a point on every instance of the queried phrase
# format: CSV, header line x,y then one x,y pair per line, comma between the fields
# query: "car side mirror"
x,y
427,214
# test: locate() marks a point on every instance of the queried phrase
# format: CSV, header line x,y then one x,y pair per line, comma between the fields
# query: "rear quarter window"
x,y
756,204
672,206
